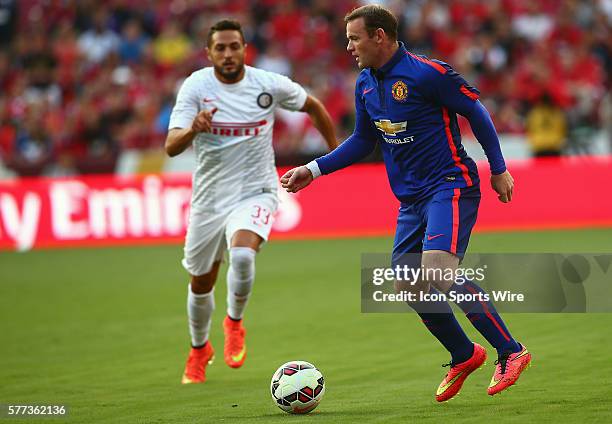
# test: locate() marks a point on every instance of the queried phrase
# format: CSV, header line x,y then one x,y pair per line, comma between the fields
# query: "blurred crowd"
x,y
82,81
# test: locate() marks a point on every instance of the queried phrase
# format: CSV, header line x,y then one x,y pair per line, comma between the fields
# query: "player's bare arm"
x,y
503,184
321,120
179,139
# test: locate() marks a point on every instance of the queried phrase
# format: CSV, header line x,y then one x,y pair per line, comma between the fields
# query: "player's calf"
x,y
204,283
484,317
240,278
439,319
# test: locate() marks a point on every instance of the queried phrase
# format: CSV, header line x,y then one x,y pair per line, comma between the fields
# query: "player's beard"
x,y
230,76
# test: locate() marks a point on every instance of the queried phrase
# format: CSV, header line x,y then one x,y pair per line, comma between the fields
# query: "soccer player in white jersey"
x,y
227,112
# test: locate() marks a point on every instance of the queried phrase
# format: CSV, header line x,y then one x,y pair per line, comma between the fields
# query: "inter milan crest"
x,y
399,90
264,100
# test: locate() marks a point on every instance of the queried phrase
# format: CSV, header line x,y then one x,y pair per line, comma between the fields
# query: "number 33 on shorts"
x,y
260,215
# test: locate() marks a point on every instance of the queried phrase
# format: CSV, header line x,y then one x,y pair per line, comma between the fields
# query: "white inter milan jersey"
x,y
236,159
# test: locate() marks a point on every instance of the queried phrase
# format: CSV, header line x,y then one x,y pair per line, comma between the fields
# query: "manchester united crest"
x,y
399,90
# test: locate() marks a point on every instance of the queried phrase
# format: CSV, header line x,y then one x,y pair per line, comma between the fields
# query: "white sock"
x,y
240,277
199,310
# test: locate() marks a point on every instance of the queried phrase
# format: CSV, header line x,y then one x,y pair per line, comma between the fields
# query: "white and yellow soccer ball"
x,y
297,387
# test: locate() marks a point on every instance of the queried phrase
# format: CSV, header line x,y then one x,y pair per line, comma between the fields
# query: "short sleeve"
x,y
186,107
290,95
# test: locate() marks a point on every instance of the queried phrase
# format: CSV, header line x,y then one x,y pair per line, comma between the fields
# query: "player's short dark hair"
x,y
375,16
224,25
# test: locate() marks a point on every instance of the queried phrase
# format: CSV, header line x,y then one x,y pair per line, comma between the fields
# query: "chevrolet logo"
x,y
390,128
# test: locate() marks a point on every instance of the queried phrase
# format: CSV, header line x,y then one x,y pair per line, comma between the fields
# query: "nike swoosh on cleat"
x,y
494,382
238,358
447,385
367,90
523,353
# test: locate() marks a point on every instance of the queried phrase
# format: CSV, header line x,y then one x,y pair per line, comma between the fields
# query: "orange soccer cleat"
x,y
508,370
235,349
195,369
457,374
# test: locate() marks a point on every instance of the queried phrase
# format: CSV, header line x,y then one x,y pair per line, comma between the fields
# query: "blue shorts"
x,y
443,221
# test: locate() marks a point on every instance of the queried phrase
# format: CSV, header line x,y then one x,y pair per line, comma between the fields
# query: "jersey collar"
x,y
397,56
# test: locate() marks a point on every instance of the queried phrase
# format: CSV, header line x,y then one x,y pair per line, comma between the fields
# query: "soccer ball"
x,y
297,387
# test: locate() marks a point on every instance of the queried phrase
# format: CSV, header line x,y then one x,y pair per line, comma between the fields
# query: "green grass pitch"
x,y
104,331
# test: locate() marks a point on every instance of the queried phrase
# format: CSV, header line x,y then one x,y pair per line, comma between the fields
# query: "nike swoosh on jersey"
x,y
447,385
429,238
207,100
367,90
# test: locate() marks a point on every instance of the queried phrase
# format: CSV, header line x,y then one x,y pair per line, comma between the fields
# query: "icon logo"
x,y
399,90
390,128
208,100
264,100
367,90
430,238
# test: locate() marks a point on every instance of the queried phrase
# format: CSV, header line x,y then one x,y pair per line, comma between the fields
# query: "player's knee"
x,y
201,284
411,287
242,262
444,282
437,277
439,269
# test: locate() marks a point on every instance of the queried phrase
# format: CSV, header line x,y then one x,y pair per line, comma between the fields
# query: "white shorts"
x,y
210,234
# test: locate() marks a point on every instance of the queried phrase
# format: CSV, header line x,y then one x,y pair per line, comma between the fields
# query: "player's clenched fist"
x,y
503,184
296,179
203,121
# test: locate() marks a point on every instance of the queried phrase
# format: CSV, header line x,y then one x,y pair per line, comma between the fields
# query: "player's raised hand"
x,y
203,121
503,184
296,179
